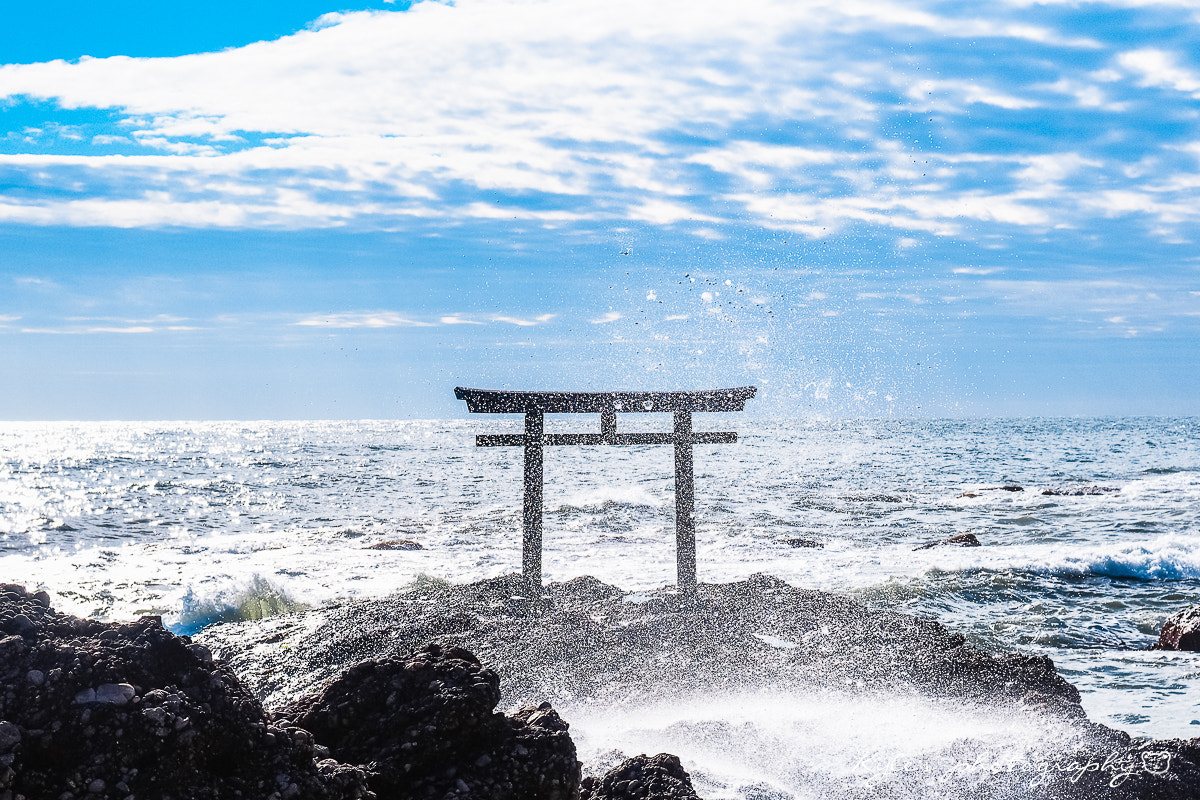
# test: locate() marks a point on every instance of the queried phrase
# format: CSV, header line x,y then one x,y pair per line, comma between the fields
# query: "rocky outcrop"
x,y
1181,631
659,777
97,711
426,725
100,711
585,637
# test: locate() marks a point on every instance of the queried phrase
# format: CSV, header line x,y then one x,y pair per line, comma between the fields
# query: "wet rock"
x,y
978,492
425,725
1181,631
112,711
396,544
1078,491
587,638
659,777
962,540
799,542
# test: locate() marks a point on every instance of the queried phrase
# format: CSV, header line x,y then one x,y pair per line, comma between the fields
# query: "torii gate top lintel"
x,y
534,405
488,401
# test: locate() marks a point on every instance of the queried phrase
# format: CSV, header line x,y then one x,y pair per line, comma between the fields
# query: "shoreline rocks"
x,y
659,777
99,711
426,725
131,711
94,710
585,637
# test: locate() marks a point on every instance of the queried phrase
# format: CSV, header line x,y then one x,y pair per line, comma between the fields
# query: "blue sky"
x,y
307,210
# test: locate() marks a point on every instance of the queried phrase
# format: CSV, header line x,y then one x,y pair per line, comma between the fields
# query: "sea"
x,y
1089,533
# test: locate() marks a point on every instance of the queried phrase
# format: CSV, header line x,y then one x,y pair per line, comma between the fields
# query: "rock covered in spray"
x,y
660,777
584,636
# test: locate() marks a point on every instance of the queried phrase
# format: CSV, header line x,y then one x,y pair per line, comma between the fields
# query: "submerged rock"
x,y
1079,491
962,540
1181,631
978,492
801,542
396,544
659,777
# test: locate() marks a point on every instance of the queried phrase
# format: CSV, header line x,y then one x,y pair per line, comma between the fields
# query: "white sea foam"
x,y
822,745
1169,557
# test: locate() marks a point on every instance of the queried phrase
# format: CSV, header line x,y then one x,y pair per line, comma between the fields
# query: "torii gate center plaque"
x,y
534,405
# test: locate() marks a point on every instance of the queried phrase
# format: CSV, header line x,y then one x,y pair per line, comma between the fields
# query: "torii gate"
x,y
536,404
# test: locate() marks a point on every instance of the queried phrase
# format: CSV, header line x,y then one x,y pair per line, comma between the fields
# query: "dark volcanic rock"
x,y
977,492
1079,491
131,710
1181,631
659,777
800,542
425,724
962,540
594,645
585,636
396,544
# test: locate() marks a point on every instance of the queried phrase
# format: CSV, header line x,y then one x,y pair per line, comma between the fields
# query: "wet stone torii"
x,y
534,405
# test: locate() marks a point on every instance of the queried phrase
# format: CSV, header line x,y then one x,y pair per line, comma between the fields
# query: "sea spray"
x,y
255,600
825,744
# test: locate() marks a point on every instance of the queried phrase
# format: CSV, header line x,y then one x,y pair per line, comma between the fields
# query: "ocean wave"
x,y
1167,557
257,599
1164,558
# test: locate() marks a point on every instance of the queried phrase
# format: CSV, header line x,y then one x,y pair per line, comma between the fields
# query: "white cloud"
x,y
611,316
91,330
458,319
366,319
525,323
1160,68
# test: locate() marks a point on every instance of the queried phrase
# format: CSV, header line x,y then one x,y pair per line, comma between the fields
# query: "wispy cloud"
x,y
95,329
458,319
525,323
611,316
366,319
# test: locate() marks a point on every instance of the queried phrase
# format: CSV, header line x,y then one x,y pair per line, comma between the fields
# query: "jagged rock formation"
x,y
100,711
585,638
659,777
602,646
426,725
